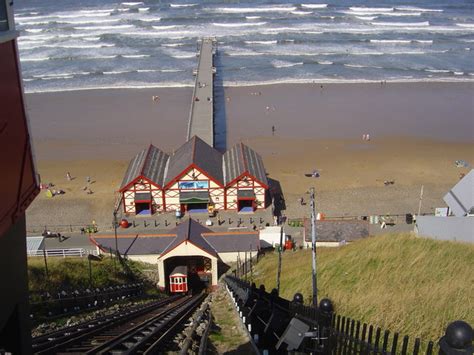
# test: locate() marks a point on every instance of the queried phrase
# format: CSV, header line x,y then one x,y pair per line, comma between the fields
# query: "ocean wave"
x,y
172,44
253,9
94,11
245,24
75,15
414,8
151,19
183,56
260,42
283,64
165,27
167,34
370,9
147,70
57,75
123,10
132,3
381,13
390,41
91,39
423,41
241,53
253,17
101,57
34,59
100,28
466,25
366,18
171,70
116,72
132,56
314,6
302,13
143,9
83,22
119,86
182,5
80,46
33,23
438,70
362,66
402,24
325,62
458,73
34,30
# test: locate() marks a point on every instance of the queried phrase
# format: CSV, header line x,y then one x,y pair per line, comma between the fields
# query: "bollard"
x,y
166,223
457,339
243,319
298,298
134,224
156,225
144,224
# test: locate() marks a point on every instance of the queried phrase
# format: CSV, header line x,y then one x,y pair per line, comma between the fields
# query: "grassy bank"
x,y
73,273
399,282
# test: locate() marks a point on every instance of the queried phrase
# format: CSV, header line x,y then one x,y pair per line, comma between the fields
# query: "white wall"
x,y
459,229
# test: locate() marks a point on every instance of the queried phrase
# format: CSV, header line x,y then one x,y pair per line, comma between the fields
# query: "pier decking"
x,y
201,116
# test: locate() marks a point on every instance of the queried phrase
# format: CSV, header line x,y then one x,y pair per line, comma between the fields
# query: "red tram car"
x,y
179,279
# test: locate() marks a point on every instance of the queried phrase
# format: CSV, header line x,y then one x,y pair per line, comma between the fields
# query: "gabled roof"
x,y
132,245
240,160
149,163
199,153
191,231
460,198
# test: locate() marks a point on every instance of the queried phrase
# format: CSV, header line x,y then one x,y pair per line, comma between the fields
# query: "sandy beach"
x,y
417,132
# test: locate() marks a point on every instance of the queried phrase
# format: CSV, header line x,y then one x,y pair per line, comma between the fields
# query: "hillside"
x,y
399,282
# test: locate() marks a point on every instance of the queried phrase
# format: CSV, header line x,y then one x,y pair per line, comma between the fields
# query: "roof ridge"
x,y
145,161
243,157
194,149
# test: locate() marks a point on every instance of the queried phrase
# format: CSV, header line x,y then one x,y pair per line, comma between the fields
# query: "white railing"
x,y
63,252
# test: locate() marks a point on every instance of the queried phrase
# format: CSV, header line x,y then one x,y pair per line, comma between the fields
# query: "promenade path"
x,y
201,116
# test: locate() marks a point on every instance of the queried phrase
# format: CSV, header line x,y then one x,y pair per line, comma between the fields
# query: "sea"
x,y
85,44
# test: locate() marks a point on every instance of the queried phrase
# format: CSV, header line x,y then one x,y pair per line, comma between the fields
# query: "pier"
x,y
201,115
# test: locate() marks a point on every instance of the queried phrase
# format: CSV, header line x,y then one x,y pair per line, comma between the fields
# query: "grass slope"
x,y
399,282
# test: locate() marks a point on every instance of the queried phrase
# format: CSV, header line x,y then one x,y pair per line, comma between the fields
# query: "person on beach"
x,y
68,176
88,179
273,130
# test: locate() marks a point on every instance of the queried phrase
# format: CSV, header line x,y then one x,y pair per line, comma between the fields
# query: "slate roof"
x,y
196,151
336,231
241,159
230,242
150,163
189,230
136,246
192,231
460,198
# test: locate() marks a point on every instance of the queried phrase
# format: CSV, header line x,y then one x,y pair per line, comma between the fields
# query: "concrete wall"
x,y
459,229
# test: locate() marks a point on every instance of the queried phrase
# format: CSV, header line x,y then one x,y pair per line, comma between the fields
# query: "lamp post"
x,y
313,248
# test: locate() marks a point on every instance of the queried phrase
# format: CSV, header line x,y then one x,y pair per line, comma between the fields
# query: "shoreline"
x,y
269,83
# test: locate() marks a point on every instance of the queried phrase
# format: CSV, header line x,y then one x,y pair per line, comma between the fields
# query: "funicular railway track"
x,y
141,330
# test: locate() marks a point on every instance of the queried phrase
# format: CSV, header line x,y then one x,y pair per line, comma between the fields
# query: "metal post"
x,y
421,199
313,247
45,263
251,266
279,259
90,272
245,266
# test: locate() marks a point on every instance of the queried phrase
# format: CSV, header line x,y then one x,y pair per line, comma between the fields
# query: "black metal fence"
x,y
64,303
278,326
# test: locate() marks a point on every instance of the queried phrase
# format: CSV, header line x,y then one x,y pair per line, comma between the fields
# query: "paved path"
x,y
201,117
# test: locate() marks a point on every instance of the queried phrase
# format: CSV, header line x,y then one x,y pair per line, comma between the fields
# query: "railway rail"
x,y
142,329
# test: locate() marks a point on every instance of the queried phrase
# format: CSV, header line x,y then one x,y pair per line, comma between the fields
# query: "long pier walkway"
x,y
201,116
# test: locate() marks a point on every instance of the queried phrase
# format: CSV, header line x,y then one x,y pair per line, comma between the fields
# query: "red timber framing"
x,y
171,192
245,182
141,185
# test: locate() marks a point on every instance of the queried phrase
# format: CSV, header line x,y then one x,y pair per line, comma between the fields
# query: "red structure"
x,y
179,280
18,187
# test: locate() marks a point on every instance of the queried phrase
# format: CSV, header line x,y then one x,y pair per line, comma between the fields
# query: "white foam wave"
x,y
34,30
325,62
172,44
253,9
132,3
80,46
414,8
34,23
100,28
123,10
390,41
183,56
75,15
83,22
422,41
101,57
465,25
91,39
283,64
261,42
239,24
94,11
314,6
171,70
164,27
151,19
381,13
253,17
182,5
467,40
402,24
366,18
135,56
370,9
301,13
143,9
458,73
147,70
57,75
437,70
34,59
115,72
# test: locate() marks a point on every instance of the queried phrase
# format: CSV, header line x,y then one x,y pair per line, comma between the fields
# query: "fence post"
x,y
457,339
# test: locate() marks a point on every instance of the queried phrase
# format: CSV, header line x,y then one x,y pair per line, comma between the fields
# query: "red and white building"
x,y
194,177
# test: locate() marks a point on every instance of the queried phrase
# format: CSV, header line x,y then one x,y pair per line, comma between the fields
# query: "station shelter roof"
x,y
460,198
149,163
240,160
198,153
187,231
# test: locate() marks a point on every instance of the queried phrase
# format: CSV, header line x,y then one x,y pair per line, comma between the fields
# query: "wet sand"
x,y
417,132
